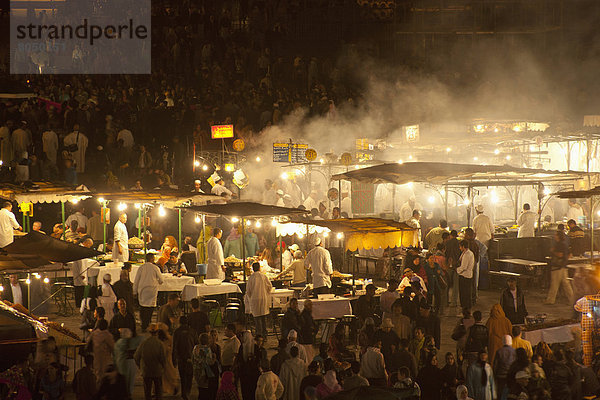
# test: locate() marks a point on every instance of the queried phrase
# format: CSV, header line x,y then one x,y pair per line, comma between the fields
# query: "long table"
x,y
557,334
170,283
191,291
329,308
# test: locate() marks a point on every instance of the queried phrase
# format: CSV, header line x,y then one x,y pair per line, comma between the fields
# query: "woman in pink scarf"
x,y
227,390
329,386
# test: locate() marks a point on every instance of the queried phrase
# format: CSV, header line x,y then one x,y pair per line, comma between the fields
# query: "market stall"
x,y
243,212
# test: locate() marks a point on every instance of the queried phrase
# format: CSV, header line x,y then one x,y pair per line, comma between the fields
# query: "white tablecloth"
x,y
280,297
114,270
175,283
192,291
331,308
558,334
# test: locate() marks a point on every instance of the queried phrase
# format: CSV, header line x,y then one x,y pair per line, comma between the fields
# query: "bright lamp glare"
x,y
248,223
28,281
325,234
466,202
137,206
46,280
37,276
546,191
197,219
495,198
448,149
235,219
400,161
299,235
101,200
257,159
122,207
1,288
204,167
258,224
196,163
339,235
161,211
273,222
431,199
284,175
496,152
475,158
75,200
508,158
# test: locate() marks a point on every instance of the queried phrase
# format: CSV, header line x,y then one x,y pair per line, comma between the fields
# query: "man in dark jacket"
x,y
122,319
505,356
184,340
513,302
150,359
291,318
478,336
123,289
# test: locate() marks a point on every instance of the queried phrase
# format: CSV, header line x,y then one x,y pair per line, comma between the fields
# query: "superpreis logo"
x,y
81,37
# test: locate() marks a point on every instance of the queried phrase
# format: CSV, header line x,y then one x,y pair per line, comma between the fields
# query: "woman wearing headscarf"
x,y
450,376
247,364
480,379
227,390
124,350
103,345
233,244
170,376
498,326
462,393
330,385
430,378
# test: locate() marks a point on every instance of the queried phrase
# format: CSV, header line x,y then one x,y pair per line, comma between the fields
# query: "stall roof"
x,y
371,225
170,198
246,210
456,174
43,192
578,194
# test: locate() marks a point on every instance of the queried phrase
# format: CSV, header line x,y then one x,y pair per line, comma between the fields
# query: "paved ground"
x,y
534,300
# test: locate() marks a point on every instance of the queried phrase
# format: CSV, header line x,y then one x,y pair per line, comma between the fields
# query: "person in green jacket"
x,y
233,244
251,240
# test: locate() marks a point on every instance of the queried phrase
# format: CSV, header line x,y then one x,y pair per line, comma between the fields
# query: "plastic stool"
x,y
231,314
351,321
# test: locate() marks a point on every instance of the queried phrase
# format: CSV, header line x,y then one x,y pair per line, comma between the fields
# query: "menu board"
x,y
289,153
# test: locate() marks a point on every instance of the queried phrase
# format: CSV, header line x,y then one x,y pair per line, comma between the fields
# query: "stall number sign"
x,y
289,153
221,131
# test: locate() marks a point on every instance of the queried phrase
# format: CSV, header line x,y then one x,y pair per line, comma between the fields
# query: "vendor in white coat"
x,y
258,298
287,257
219,189
526,222
121,240
145,287
215,268
108,298
319,260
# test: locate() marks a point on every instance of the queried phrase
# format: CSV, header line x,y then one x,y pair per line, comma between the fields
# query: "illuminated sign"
x,y
221,131
411,132
289,153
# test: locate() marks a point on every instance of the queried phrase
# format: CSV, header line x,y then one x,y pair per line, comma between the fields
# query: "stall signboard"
x,y
289,152
412,133
238,145
221,131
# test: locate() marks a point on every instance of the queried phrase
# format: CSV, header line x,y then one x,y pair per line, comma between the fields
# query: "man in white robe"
x,y
121,240
292,372
127,137
214,256
319,260
8,223
20,140
81,141
258,298
50,145
145,287
108,298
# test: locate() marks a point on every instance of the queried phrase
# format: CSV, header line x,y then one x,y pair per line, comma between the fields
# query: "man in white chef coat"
x,y
526,222
145,287
8,222
215,268
319,260
258,298
121,240
483,226
220,190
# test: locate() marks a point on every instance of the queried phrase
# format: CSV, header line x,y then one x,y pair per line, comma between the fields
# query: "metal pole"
x,y
140,222
540,198
29,291
103,211
243,249
62,211
144,223
592,228
446,202
469,190
179,220
340,194
203,236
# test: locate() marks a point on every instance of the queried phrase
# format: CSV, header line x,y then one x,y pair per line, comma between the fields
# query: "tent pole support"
x,y
179,223
446,202
469,195
144,230
592,229
103,211
29,291
203,236
244,248
140,223
62,213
